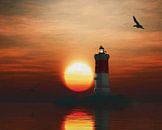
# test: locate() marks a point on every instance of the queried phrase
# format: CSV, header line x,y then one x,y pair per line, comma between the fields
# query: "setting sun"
x,y
78,77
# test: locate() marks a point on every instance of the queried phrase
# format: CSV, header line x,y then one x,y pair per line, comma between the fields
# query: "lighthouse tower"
x,y
101,73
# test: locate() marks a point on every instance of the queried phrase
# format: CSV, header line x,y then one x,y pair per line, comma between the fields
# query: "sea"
x,y
48,116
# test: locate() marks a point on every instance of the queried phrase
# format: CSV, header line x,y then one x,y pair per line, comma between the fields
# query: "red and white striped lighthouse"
x,y
101,72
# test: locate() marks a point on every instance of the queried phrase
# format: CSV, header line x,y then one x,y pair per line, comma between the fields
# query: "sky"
x,y
38,39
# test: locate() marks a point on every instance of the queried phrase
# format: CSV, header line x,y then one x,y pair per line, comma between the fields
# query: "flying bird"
x,y
138,25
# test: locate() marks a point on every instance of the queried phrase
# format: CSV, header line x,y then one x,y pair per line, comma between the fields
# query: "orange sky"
x,y
39,38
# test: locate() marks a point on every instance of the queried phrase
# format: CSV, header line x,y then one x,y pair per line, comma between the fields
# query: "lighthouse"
x,y
101,72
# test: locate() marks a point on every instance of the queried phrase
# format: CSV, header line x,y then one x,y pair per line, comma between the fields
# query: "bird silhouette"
x,y
138,25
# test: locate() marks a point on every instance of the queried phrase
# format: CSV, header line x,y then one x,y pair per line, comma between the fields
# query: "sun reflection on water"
x,y
78,120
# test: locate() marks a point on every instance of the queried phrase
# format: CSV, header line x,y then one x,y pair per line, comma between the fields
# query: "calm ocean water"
x,y
46,116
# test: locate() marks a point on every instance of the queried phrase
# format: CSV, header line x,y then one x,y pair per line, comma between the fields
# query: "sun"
x,y
78,77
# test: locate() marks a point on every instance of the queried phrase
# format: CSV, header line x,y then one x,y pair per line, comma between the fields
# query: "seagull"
x,y
138,25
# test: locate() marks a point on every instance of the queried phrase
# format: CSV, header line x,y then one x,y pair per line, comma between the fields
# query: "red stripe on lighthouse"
x,y
101,66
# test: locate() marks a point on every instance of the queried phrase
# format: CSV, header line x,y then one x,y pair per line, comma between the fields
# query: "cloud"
x,y
12,42
22,7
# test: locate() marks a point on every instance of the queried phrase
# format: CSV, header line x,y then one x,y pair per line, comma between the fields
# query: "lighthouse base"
x,y
95,101
101,91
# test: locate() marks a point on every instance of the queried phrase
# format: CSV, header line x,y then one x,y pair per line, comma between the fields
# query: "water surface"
x,y
47,116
